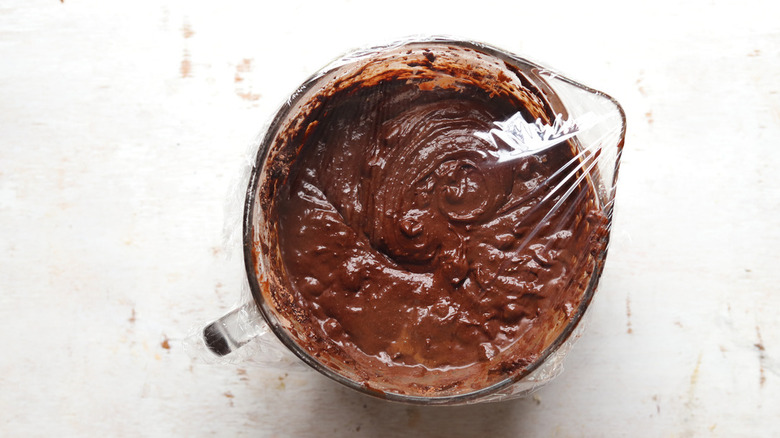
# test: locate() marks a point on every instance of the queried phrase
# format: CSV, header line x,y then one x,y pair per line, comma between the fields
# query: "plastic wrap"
x,y
426,222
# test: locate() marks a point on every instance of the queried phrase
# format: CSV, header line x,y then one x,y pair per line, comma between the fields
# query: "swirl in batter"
x,y
406,241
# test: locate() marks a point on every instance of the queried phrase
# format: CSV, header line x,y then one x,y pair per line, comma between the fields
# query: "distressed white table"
x,y
123,124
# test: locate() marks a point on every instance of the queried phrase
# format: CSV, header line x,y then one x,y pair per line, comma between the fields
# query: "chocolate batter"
x,y
410,251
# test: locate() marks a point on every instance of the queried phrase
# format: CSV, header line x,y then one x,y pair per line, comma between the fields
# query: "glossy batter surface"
x,y
406,241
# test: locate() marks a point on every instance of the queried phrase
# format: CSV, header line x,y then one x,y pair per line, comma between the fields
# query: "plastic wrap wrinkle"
x,y
523,138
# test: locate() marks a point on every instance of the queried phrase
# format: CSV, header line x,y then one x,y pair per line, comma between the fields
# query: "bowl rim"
x,y
251,262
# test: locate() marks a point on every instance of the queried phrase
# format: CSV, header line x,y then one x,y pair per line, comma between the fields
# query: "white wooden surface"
x,y
123,124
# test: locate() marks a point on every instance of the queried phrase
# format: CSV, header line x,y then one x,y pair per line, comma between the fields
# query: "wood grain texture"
x,y
123,126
